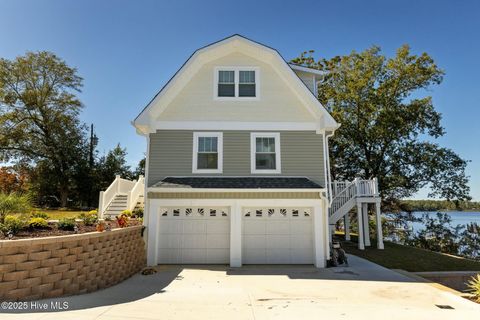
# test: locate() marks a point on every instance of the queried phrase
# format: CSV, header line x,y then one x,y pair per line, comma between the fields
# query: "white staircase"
x,y
121,195
346,195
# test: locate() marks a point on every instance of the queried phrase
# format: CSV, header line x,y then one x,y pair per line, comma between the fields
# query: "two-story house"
x,y
237,166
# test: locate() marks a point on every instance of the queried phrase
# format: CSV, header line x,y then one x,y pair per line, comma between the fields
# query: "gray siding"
x,y
171,154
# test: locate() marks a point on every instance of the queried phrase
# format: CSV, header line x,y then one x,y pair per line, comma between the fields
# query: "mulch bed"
x,y
53,231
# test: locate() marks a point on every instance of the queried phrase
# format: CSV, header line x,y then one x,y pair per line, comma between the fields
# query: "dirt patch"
x,y
53,230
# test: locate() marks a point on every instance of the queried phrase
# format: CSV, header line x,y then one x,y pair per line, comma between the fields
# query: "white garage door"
x,y
277,236
194,235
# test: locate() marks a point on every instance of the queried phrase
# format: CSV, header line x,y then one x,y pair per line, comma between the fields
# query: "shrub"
x,y
12,224
66,224
42,215
13,203
138,213
127,213
122,220
38,223
89,218
474,287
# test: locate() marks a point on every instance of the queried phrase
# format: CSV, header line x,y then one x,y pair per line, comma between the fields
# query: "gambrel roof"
x,y
145,121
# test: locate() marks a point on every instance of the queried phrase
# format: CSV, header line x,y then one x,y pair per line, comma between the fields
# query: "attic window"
x,y
236,83
246,86
226,83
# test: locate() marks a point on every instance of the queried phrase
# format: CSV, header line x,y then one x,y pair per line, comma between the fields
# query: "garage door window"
x,y
207,152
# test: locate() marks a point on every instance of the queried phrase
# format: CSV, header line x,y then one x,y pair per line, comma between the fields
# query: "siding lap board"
x,y
171,154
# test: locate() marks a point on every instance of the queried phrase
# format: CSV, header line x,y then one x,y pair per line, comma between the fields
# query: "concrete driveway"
x,y
362,291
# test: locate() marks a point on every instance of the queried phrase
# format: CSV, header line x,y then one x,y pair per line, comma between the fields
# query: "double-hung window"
x,y
246,84
226,83
236,83
207,152
265,152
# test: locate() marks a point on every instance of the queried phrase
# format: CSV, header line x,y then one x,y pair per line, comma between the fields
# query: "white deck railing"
x,y
133,189
344,191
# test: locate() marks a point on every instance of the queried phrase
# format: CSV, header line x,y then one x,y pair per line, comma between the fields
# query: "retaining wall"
x,y
453,279
32,269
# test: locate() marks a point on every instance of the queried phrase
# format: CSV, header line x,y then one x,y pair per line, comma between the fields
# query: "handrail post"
x,y
100,204
375,182
357,185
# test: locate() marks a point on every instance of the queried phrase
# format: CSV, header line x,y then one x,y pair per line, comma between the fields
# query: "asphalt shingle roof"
x,y
238,183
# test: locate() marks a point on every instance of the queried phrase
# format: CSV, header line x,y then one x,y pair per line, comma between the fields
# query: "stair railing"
x,y
135,193
118,186
342,197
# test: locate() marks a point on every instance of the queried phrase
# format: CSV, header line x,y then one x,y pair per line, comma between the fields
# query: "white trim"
x,y
219,136
232,190
234,125
278,164
306,69
237,70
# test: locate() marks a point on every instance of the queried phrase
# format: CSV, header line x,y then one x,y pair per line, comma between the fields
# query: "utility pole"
x,y
93,143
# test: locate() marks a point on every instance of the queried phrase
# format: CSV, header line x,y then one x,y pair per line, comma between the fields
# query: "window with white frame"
x,y
265,152
236,83
207,152
226,83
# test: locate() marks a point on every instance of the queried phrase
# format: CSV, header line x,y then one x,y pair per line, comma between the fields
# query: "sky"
x,y
127,50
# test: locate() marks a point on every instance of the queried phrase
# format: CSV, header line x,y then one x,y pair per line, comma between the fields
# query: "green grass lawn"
x,y
396,256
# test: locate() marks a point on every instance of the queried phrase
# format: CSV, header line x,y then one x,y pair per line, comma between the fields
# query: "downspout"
x,y
329,177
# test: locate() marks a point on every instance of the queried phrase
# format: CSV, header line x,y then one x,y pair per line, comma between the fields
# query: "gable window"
x,y
207,152
265,152
246,85
226,83
236,83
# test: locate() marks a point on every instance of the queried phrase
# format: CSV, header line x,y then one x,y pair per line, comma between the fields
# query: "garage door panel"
x,y
277,241
301,241
278,256
252,255
301,226
169,226
194,235
194,241
194,226
194,256
218,255
166,241
217,241
218,226
278,227
302,255
254,226
277,236
254,241
171,255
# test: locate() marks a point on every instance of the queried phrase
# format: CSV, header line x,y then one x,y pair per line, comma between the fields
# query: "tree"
x,y
383,117
114,163
12,180
140,170
39,117
438,235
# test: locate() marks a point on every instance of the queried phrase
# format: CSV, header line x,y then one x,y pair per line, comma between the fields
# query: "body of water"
x,y
458,218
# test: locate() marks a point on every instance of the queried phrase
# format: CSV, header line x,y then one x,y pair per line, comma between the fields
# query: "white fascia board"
x,y
234,125
306,69
227,190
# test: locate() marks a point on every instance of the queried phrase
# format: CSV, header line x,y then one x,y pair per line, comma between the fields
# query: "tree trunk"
x,y
63,197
